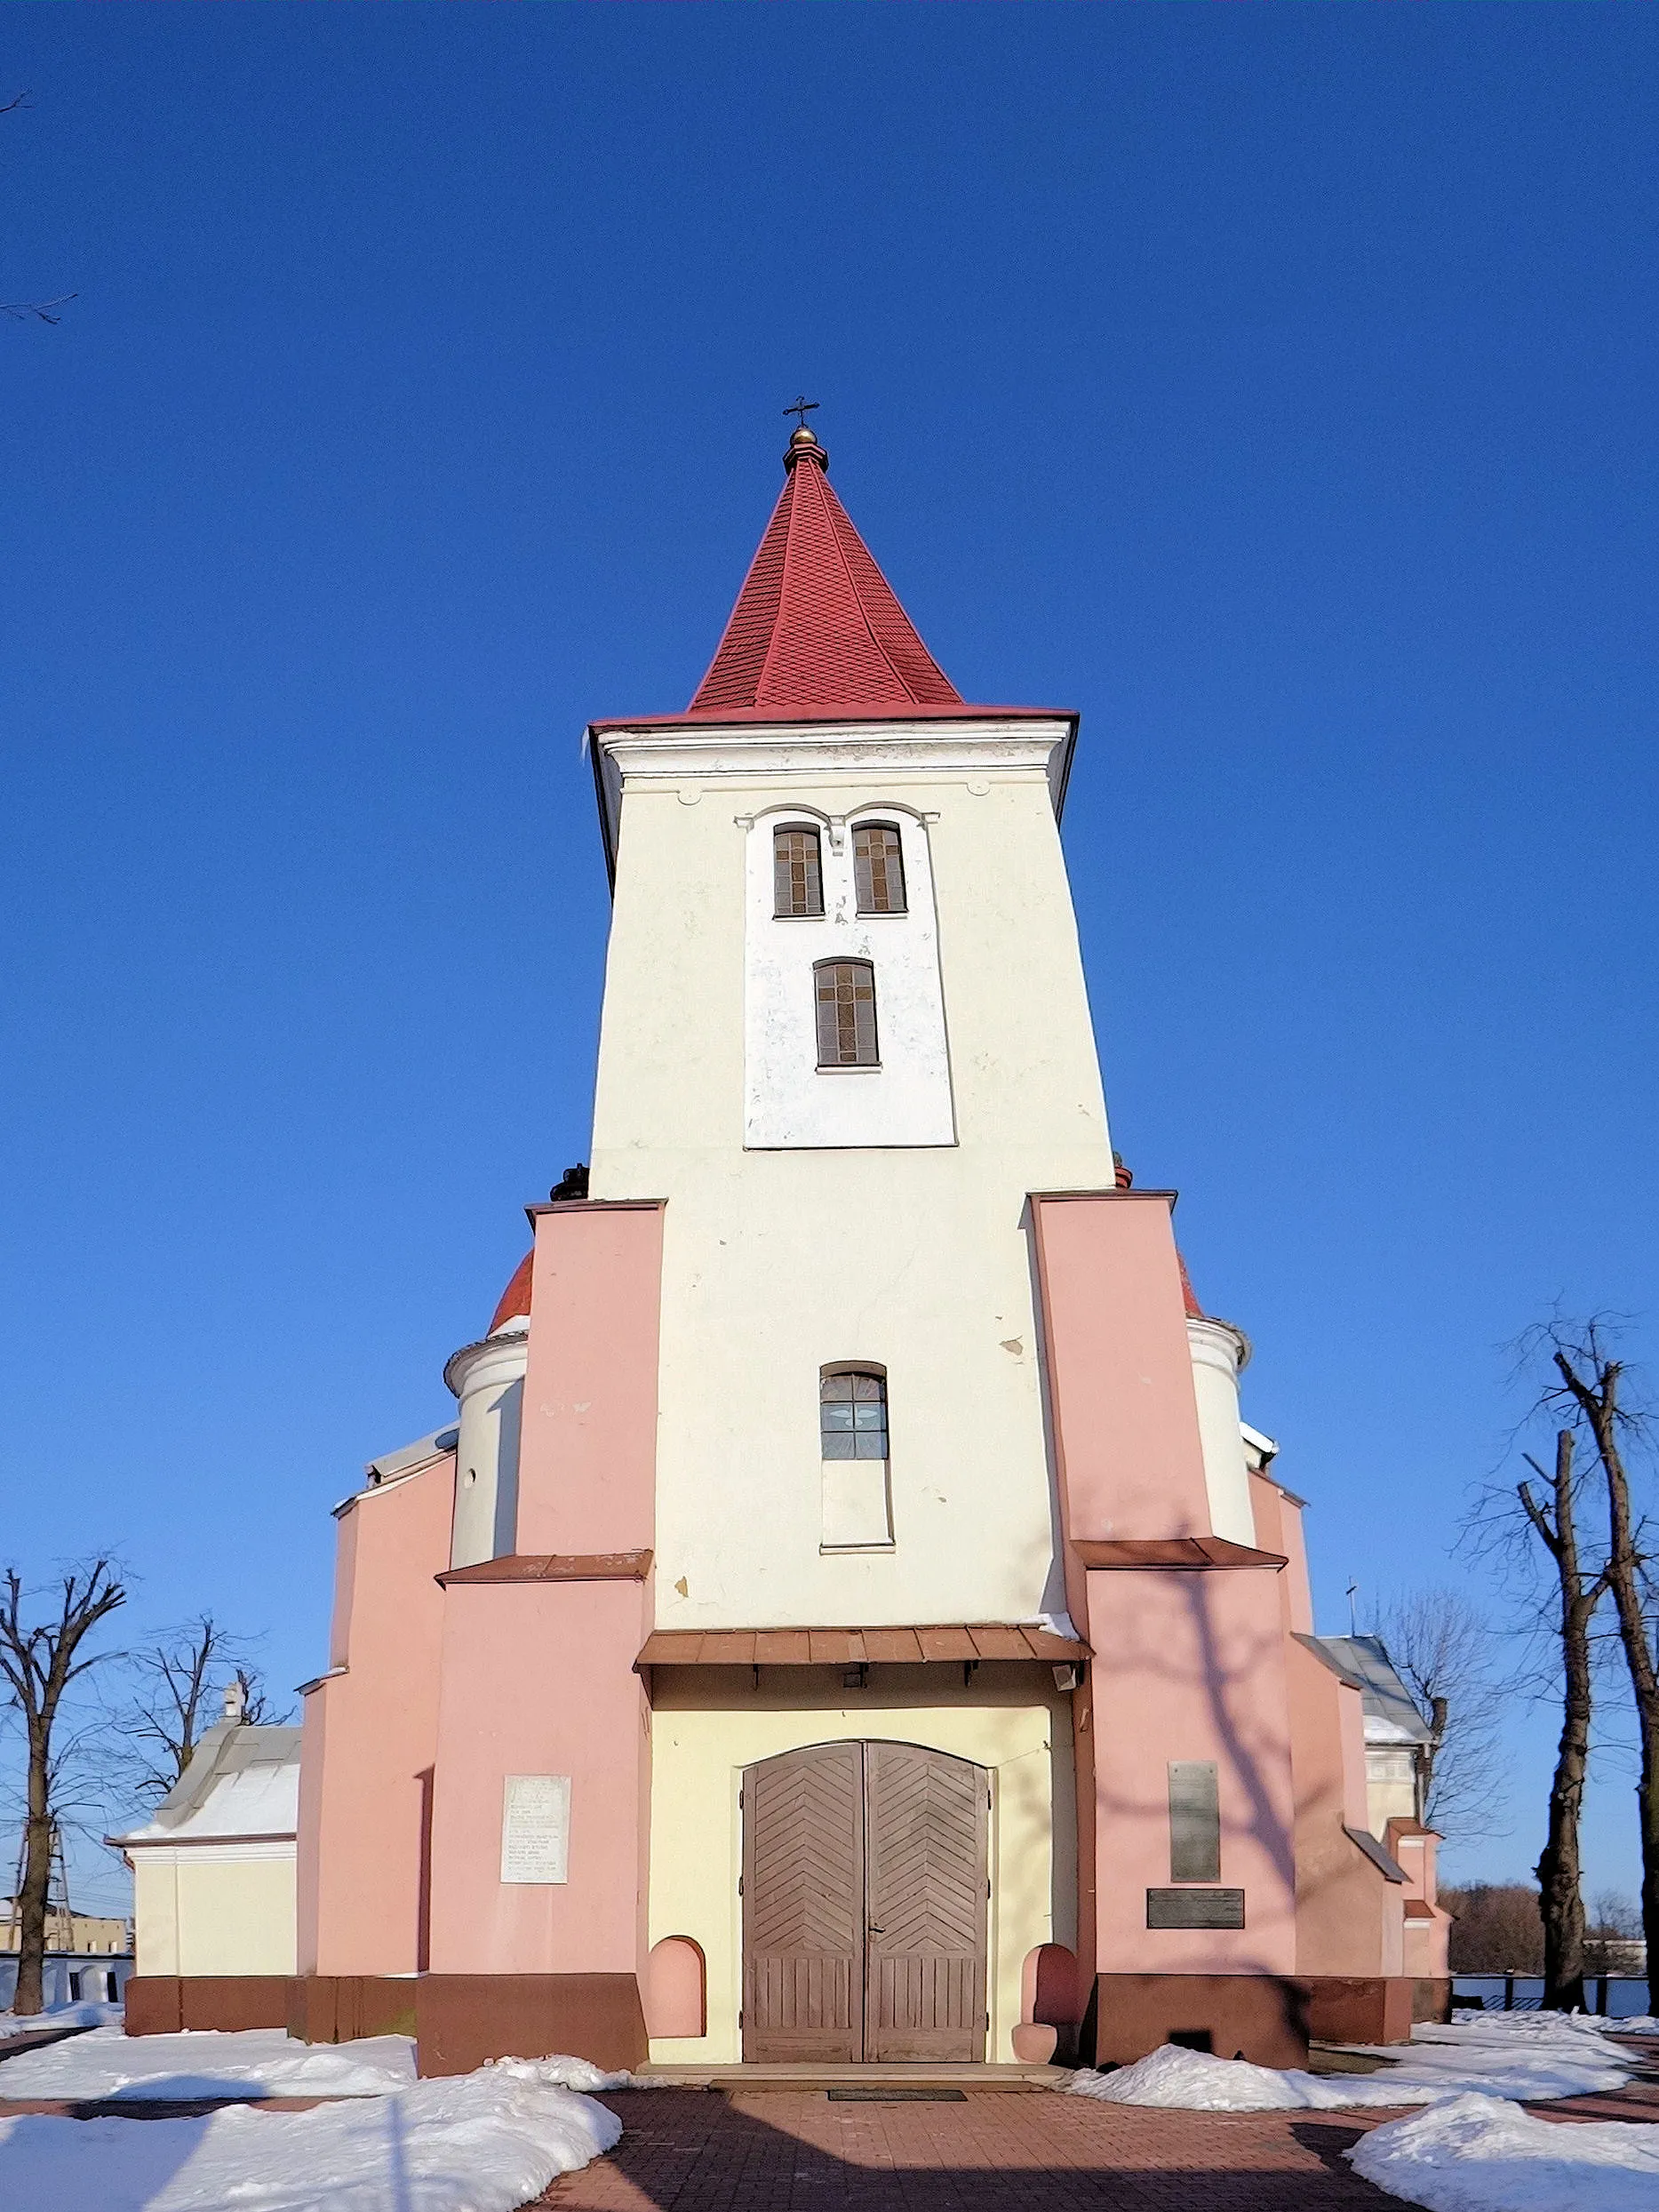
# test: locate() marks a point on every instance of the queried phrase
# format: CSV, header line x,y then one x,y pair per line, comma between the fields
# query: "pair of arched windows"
x,y
844,990
877,870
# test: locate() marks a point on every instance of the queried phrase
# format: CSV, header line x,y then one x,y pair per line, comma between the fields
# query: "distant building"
x,y
88,1957
86,1935
214,1878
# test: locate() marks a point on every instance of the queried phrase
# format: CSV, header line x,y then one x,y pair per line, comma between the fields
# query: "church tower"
x,y
845,1033
848,1621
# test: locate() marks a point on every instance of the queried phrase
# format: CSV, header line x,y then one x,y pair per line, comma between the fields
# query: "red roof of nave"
x,y
817,628
515,1297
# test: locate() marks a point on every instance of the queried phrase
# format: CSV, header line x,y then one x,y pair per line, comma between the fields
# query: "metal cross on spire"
x,y
800,407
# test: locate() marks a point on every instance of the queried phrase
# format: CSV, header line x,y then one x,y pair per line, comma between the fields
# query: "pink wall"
x,y
371,1733
1350,1916
589,1458
1428,1925
1130,1460
538,1677
1190,1666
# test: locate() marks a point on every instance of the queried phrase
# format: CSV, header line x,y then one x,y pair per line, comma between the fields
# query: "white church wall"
x,y
788,1098
779,1262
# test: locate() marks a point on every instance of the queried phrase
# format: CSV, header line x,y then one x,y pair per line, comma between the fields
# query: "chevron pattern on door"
x,y
863,1905
925,1852
804,1905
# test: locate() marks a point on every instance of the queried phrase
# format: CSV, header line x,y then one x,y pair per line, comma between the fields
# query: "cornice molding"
x,y
644,754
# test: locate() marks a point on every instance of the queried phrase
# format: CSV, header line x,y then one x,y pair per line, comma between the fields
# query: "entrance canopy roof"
x,y
856,1646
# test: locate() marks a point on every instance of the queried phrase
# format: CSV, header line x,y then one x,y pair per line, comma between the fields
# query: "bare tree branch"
x,y
39,1661
179,1693
1590,1384
31,310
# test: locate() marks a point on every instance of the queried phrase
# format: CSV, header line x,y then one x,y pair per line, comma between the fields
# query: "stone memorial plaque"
x,y
536,1828
1195,1908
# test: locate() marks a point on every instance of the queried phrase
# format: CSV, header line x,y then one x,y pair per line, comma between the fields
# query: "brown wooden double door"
x,y
863,1905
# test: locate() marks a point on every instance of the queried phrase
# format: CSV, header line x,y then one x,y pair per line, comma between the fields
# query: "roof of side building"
x,y
243,1781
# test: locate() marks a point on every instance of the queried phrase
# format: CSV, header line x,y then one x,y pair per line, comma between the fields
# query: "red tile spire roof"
x,y
817,629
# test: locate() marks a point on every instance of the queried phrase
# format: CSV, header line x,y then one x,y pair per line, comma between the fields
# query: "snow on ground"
x,y
485,2142
178,2068
1519,2055
88,2015
1480,2154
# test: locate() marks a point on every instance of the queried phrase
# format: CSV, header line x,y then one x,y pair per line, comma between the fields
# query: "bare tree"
x,y
1496,1929
1579,1593
31,310
1589,1386
1441,1649
181,1682
39,1663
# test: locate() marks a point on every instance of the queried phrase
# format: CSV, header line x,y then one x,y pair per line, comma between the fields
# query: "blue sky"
x,y
1274,383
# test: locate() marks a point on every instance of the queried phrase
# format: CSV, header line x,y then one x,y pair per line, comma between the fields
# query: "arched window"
x,y
797,871
846,1009
878,868
852,1415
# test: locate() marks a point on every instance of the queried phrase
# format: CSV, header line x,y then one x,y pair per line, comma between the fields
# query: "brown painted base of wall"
x,y
1361,2009
1259,2016
339,2008
459,2019
1433,1997
462,2019
163,2004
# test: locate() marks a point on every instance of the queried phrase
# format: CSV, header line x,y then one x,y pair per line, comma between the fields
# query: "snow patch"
x,y
575,2073
179,2069
486,2141
87,2016
1481,2154
1524,2055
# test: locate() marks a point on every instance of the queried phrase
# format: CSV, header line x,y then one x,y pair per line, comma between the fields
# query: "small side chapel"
x,y
848,1619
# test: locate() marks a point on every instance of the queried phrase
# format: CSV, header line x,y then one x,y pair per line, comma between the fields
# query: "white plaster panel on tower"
x,y
1219,1353
789,1099
489,1380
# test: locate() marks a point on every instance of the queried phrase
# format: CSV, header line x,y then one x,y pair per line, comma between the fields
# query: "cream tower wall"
x,y
780,1262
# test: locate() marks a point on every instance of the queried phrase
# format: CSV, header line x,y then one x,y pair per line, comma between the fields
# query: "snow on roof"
x,y
1390,1717
243,1781
407,1458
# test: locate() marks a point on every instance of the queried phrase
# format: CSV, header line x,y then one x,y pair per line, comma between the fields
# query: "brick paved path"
x,y
696,2150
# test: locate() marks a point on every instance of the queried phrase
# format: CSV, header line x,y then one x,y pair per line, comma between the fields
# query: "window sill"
x,y
836,1551
850,1067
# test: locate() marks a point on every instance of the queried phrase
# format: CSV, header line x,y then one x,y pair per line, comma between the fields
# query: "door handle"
x,y
874,1930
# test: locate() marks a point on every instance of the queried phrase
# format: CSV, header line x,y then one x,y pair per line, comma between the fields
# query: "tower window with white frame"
x,y
845,991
